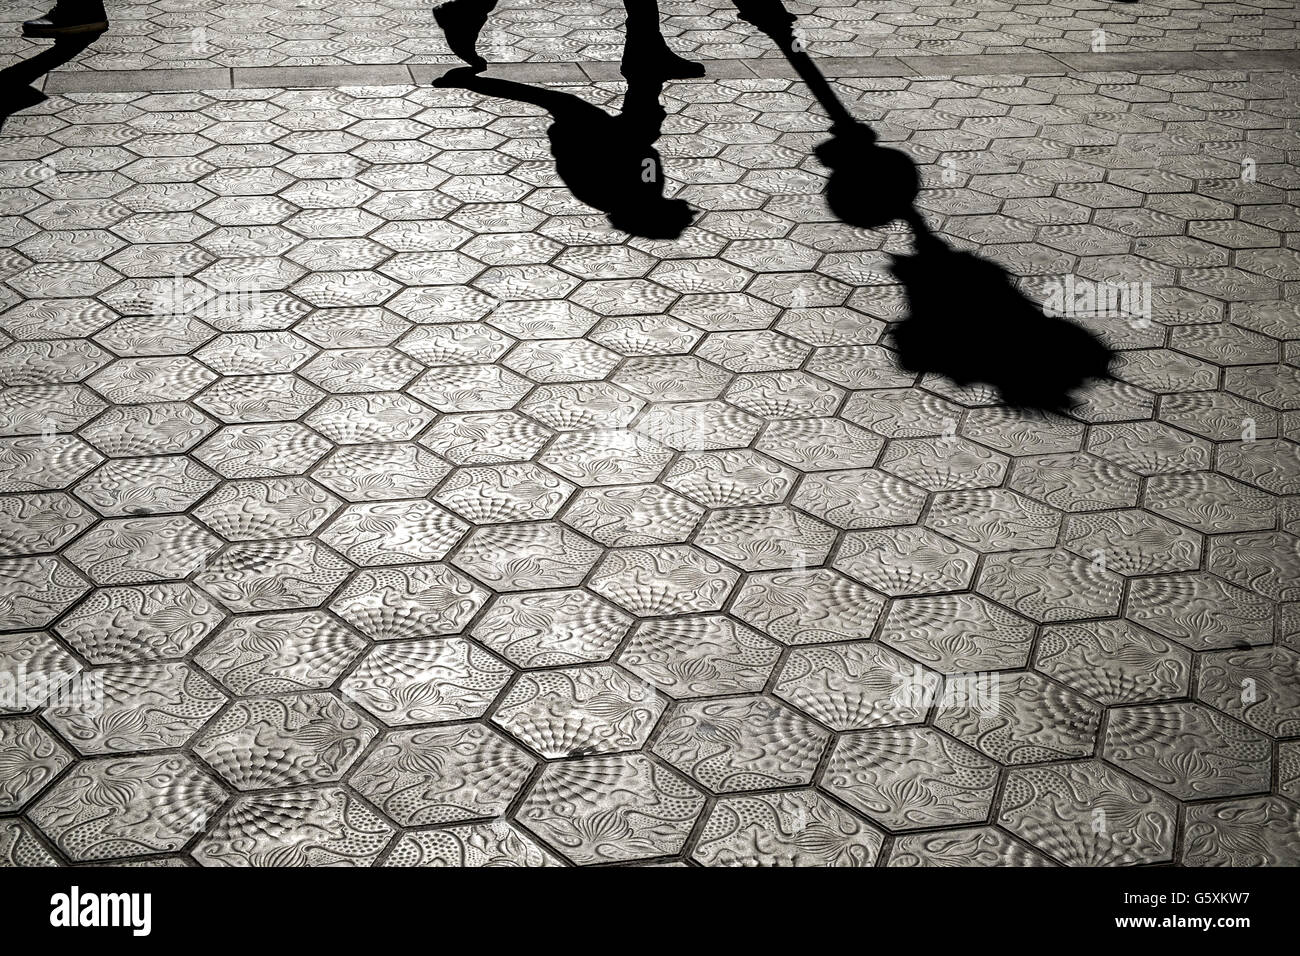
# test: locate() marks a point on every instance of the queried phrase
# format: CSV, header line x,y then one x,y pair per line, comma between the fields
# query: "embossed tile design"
x,y
273,653
263,742
148,804
807,607
790,828
325,826
579,711
142,707
856,686
1113,662
911,778
420,682
423,600
497,844
977,846
1188,750
31,758
551,627
410,513
1025,719
701,656
1087,814
615,808
743,743
444,775
958,633
1260,831
1258,686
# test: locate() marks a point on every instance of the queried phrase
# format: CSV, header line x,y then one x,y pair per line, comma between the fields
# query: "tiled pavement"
x,y
167,34
390,507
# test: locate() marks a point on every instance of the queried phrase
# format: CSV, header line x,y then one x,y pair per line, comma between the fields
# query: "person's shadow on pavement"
x,y
966,319
607,161
16,90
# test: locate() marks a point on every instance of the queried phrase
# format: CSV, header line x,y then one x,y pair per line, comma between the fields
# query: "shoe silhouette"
x,y
609,161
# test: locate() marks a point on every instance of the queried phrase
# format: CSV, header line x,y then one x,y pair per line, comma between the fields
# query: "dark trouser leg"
x,y
645,50
462,21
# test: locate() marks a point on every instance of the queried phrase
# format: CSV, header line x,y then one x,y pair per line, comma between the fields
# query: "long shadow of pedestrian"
x,y
607,161
16,90
966,319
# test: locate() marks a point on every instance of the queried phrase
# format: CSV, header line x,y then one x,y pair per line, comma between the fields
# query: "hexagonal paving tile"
x,y
765,538
1267,563
40,522
1200,611
902,561
1088,814
273,653
394,532
1132,542
856,686
394,604
994,519
32,759
911,778
426,681
1075,482
633,515
522,557
115,807
958,633
264,742
280,575
551,627
644,811
943,464
1113,662
579,711
137,707
264,508
1188,750
53,672
745,743
442,775
731,477
497,844
666,580
143,486
494,494
1257,686
976,846
381,472
1260,831
859,498
608,457
1025,719
703,656
1051,585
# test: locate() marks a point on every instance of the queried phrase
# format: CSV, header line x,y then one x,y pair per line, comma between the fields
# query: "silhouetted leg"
x,y
16,90
462,21
69,18
644,49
